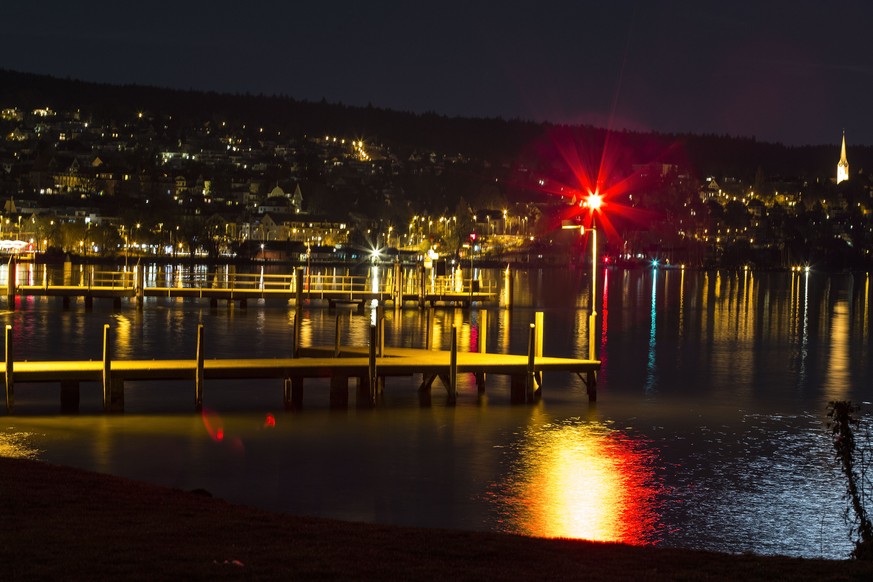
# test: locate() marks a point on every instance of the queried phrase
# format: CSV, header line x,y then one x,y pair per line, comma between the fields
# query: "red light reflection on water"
x,y
213,424
270,421
582,481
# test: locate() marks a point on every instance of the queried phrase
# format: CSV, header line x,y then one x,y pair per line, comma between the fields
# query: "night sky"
x,y
796,72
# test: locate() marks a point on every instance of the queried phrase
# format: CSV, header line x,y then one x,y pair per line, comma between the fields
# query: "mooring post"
x,y
10,385
453,367
538,322
198,379
531,354
336,338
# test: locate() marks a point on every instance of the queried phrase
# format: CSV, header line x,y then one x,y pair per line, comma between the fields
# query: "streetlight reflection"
x,y
581,480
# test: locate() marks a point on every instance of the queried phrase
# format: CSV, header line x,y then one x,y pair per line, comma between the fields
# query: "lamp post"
x,y
593,202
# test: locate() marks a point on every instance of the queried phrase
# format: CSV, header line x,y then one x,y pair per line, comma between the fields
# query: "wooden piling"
x,y
380,330
339,391
398,288
69,397
10,384
422,285
140,285
107,369
298,286
295,330
508,284
531,355
428,332
538,324
453,368
336,338
11,284
483,347
198,378
371,367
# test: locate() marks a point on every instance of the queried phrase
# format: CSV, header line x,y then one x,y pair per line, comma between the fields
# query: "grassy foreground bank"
x,y
58,523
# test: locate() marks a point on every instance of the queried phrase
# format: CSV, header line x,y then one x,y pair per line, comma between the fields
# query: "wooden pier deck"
x,y
339,365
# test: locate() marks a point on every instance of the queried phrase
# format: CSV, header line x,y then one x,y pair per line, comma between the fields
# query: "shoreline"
x,y
63,523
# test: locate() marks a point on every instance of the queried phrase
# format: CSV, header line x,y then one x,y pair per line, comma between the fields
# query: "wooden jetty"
x,y
297,286
370,366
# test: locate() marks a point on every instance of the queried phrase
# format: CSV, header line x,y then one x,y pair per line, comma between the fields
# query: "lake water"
x,y
709,431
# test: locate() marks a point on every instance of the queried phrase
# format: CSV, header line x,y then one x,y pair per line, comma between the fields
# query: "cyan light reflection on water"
x,y
708,432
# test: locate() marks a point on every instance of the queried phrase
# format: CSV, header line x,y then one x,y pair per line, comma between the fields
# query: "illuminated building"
x,y
843,164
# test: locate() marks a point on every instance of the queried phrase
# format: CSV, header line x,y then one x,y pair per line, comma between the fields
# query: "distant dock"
x,y
297,286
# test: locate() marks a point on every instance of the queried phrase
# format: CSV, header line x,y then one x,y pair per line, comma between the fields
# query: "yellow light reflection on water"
x,y
17,445
581,480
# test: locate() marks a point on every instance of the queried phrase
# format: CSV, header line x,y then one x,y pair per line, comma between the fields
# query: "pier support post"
x,y
508,285
139,278
591,386
339,391
428,331
483,347
371,368
398,287
336,338
10,384
293,393
11,284
531,355
298,287
113,388
69,397
295,331
198,378
422,286
380,330
453,368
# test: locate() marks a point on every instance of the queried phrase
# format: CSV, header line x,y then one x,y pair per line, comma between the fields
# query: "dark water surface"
x,y
709,431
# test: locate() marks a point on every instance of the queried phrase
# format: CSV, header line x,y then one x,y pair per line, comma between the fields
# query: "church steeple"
x,y
843,164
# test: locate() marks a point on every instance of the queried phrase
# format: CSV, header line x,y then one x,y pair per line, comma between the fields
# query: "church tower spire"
x,y
843,164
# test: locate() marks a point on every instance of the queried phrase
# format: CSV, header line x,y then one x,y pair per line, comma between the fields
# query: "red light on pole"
x,y
594,201
472,237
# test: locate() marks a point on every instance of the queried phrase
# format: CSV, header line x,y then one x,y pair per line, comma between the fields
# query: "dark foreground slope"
x,y
60,523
